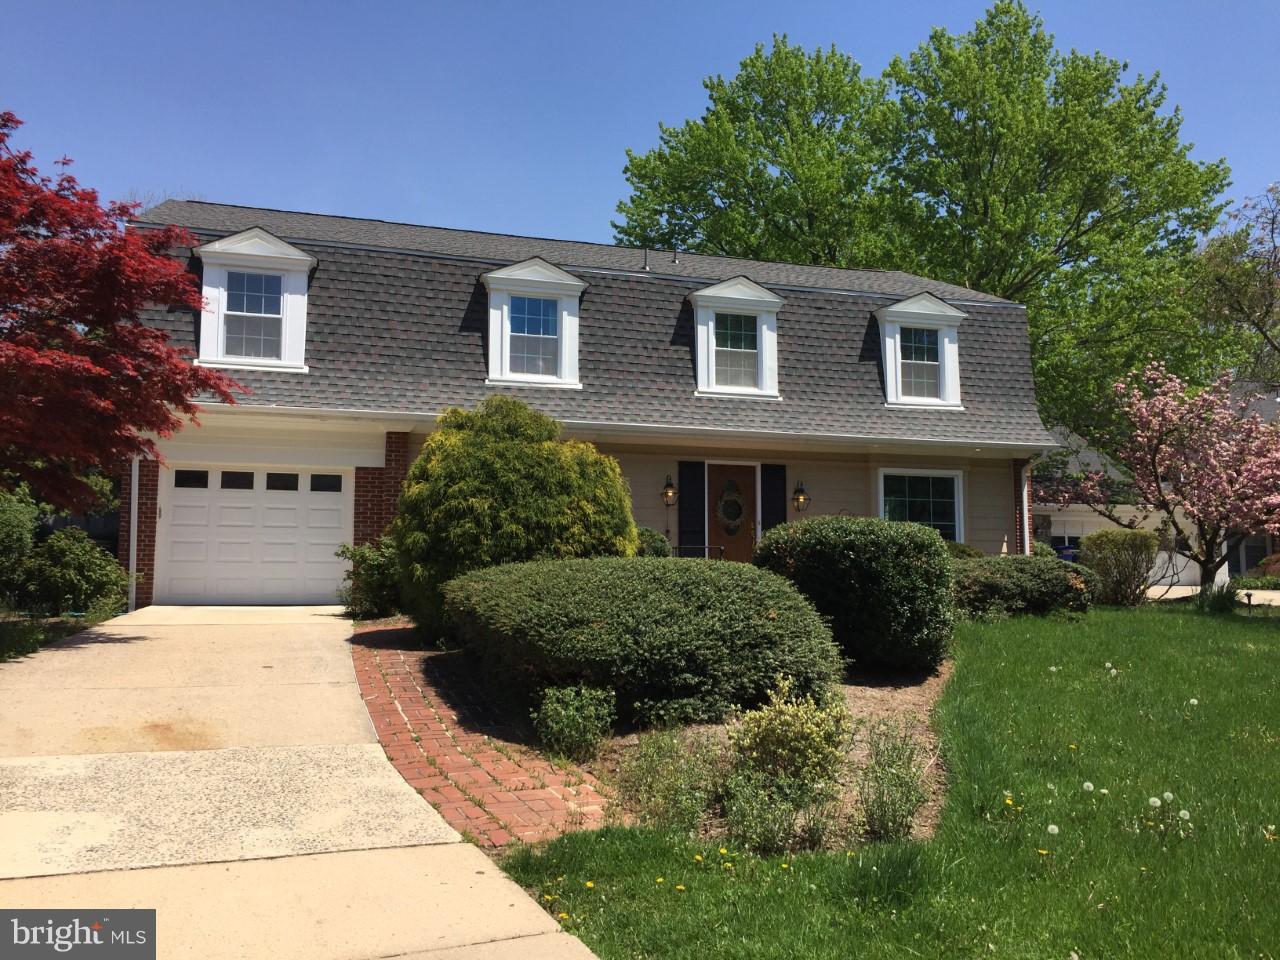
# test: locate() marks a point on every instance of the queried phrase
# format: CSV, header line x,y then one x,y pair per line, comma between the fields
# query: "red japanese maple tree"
x,y
85,385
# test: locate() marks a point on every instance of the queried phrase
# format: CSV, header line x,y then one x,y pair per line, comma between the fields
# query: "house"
x,y
735,394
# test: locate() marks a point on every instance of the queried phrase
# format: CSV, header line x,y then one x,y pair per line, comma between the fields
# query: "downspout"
x,y
1026,507
133,534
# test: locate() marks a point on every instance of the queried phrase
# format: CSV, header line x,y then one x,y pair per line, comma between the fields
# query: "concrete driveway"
x,y
217,764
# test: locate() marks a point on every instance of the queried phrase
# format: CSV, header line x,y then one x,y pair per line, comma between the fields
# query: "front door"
x,y
731,510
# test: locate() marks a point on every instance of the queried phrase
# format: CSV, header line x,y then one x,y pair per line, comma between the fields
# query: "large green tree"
x,y
988,159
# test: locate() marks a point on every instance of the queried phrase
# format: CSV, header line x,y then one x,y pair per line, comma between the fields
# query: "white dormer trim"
x,y
256,249
534,277
740,295
922,311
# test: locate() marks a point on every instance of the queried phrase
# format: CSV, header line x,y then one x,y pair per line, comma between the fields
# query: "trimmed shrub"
x,y
670,779
1041,549
1256,581
1011,585
1122,560
573,721
963,551
497,486
652,543
885,586
69,573
679,640
794,739
17,535
371,588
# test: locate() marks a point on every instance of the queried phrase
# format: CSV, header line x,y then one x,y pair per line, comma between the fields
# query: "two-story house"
x,y
735,394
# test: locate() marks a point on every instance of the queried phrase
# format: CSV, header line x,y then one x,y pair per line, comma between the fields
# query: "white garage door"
x,y
251,534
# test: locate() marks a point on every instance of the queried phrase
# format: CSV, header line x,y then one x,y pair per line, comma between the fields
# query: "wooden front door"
x,y
731,510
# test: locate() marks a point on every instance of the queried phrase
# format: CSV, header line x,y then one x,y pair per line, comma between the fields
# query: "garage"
x,y
251,534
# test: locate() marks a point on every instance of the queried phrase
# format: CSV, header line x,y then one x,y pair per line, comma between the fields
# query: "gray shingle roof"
x,y
396,331
504,248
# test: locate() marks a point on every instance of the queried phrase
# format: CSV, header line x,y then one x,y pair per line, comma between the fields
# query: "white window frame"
x,y
957,475
533,278
254,251
921,312
742,296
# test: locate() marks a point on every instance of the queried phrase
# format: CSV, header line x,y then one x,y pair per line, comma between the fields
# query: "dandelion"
x,y
1114,671
1053,829
564,916
1155,803
590,884
680,887
1088,787
1104,792
1071,746
723,851
697,858
1108,664
1043,853
1053,669
727,865
1168,797
659,880
786,866
1194,702
1184,814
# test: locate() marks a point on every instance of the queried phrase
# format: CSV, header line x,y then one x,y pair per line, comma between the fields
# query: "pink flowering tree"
x,y
1198,458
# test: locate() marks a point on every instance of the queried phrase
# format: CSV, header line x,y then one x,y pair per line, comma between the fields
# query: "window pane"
x,y
237,480
326,483
535,346
736,368
930,500
921,345
254,293
282,481
191,479
252,337
737,356
920,379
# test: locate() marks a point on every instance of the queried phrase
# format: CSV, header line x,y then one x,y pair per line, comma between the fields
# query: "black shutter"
x,y
773,494
692,481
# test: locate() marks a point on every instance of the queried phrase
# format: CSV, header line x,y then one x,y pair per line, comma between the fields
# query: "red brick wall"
x,y
1021,522
378,489
148,504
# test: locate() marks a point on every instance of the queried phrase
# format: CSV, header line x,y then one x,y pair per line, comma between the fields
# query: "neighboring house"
x,y
734,393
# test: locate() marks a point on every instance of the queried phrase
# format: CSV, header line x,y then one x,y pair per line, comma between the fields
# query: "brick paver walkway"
x,y
452,745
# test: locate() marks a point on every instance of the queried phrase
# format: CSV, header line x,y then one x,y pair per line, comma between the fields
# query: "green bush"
x,y
794,739
497,486
17,534
1217,598
963,551
371,588
1041,549
885,586
19,636
1257,581
69,573
889,789
573,721
679,640
670,779
1007,586
652,543
1122,561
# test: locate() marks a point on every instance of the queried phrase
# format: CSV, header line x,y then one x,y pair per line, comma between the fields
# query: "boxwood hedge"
x,y
679,640
886,586
1011,585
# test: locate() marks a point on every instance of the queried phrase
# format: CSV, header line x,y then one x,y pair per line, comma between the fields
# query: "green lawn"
x,y
994,882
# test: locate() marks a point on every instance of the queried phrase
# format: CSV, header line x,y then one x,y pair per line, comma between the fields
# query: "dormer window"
x,y
533,325
921,348
255,303
737,339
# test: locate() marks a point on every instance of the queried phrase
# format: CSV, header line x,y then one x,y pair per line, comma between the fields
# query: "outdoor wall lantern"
x,y
800,498
669,493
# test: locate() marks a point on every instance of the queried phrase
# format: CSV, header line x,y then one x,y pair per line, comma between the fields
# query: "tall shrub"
x,y
886,586
497,486
69,573
17,534
1122,560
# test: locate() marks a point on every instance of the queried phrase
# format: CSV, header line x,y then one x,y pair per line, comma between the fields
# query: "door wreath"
x,y
729,508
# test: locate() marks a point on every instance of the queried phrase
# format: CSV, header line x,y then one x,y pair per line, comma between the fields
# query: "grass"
x,y
994,882
21,636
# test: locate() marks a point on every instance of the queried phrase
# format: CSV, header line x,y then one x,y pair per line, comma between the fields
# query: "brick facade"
x,y
378,489
1021,500
148,504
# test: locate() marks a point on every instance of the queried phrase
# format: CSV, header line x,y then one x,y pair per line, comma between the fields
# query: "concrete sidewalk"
x,y
218,764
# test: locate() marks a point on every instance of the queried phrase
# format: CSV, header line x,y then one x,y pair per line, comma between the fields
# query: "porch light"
x,y
669,493
800,498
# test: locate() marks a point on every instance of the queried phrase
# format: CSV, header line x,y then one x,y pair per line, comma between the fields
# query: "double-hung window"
x,y
253,321
535,344
920,342
736,339
533,325
933,498
737,351
255,303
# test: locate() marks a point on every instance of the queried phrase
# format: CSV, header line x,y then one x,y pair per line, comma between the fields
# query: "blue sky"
x,y
509,116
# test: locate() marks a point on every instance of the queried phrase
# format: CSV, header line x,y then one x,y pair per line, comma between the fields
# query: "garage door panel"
x,y
252,545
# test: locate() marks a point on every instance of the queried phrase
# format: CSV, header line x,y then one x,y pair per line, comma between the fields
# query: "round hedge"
x,y
679,640
1012,585
495,486
885,585
652,543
